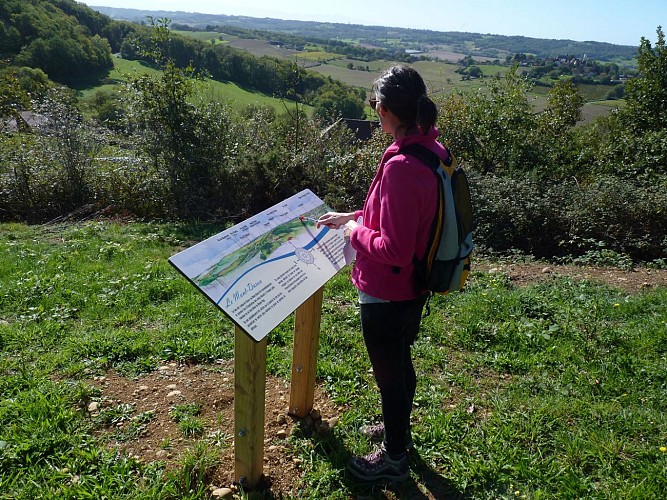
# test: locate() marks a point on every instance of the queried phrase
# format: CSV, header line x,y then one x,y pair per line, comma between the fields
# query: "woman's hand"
x,y
347,230
334,220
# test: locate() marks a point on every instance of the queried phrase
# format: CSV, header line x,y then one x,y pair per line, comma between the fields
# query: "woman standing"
x,y
388,234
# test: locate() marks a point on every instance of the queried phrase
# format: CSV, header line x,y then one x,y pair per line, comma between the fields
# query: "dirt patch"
x,y
211,389
631,281
153,398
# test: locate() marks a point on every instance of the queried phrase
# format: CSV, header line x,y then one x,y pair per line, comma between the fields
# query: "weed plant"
x,y
556,390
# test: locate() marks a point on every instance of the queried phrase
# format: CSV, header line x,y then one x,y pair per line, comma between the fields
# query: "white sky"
x,y
615,21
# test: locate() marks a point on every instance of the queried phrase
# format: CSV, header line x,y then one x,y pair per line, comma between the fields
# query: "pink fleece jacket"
x,y
397,218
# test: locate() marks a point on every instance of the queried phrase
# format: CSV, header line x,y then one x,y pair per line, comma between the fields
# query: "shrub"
x,y
350,170
27,180
555,219
628,217
518,213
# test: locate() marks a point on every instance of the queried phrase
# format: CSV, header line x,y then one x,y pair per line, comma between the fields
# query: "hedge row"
x,y
513,213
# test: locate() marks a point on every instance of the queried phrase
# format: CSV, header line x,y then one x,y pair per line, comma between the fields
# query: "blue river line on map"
x,y
308,246
258,247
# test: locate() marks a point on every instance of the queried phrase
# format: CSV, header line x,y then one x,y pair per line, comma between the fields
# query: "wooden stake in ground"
x,y
249,408
304,361
250,386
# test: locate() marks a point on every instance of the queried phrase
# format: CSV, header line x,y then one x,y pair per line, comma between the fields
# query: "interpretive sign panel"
x,y
259,271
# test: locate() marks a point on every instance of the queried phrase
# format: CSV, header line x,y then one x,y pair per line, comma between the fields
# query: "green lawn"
x,y
556,390
210,90
205,36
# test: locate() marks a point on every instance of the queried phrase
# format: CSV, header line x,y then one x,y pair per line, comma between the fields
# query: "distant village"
x,y
582,69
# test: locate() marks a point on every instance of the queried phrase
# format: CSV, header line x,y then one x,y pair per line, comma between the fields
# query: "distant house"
x,y
362,129
27,120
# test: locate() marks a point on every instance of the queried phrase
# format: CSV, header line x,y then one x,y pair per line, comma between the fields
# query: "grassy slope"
x,y
440,77
211,90
551,391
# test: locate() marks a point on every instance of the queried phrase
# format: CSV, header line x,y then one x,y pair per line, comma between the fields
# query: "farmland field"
x,y
210,90
440,76
205,36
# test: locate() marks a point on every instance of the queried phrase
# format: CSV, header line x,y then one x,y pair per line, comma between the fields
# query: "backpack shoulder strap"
x,y
426,155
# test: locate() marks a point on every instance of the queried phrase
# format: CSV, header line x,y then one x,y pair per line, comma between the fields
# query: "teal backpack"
x,y
446,265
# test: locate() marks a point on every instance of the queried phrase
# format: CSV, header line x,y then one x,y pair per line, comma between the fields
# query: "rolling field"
x,y
262,47
205,36
210,90
121,73
440,77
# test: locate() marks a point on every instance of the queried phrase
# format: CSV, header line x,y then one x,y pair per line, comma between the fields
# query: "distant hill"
x,y
61,37
495,46
72,44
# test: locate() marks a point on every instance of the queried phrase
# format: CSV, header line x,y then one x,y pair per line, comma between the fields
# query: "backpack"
x,y
446,264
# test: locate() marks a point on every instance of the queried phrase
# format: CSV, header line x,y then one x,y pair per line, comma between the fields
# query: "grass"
x,y
210,90
441,77
120,74
205,36
186,417
556,390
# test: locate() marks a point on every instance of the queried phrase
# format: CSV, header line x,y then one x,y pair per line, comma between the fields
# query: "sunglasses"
x,y
373,102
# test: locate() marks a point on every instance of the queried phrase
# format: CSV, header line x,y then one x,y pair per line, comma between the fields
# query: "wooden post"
x,y
249,408
304,361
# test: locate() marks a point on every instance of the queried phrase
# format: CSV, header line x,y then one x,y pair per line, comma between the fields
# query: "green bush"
x,y
556,219
272,159
26,181
626,216
519,213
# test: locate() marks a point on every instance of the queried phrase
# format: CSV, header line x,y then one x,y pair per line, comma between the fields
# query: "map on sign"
x,y
259,271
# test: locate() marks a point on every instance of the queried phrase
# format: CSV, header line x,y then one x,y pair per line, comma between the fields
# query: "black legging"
x,y
390,329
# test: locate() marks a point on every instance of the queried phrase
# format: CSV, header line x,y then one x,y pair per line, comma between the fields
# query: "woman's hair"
x,y
402,90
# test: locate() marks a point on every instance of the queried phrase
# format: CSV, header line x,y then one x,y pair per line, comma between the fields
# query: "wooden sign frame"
x,y
258,272
250,386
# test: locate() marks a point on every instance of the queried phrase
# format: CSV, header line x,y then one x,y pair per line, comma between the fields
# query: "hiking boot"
x,y
379,465
375,432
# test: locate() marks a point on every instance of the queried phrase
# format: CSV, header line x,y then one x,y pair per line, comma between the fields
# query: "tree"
x,y
73,147
13,98
646,95
60,37
563,108
467,61
637,133
181,139
109,109
495,127
618,92
332,104
474,72
10,40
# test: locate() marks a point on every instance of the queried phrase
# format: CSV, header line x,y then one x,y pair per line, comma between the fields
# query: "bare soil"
x,y
630,281
212,388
